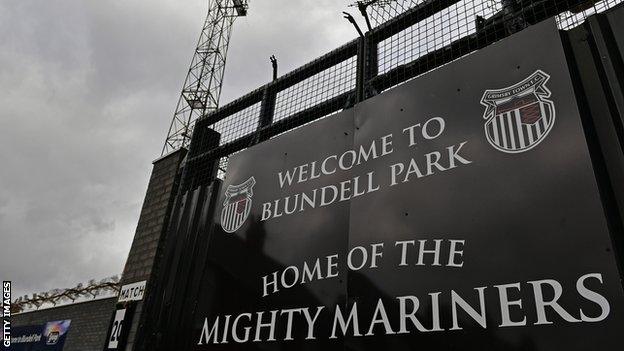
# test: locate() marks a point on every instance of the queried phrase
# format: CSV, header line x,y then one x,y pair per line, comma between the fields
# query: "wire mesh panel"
x,y
569,20
408,38
307,123
381,11
233,127
433,33
320,87
223,163
239,124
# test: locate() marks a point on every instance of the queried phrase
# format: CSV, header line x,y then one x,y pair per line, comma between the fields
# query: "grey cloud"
x,y
87,90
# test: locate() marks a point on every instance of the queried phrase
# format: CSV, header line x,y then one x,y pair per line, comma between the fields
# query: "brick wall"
x,y
152,221
150,225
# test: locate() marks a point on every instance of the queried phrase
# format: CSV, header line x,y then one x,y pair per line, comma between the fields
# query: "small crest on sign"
x,y
237,205
520,116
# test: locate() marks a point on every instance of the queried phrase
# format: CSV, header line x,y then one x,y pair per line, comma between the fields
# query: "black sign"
x,y
119,329
457,211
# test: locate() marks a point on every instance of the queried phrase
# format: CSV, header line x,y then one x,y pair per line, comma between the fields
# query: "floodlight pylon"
x,y
204,80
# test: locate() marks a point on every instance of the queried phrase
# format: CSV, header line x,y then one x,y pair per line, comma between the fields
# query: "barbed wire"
x,y
107,287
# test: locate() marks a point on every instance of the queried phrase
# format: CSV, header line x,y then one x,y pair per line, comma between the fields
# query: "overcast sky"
x,y
87,90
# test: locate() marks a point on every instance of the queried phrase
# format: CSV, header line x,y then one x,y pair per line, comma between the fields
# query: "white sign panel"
x,y
132,292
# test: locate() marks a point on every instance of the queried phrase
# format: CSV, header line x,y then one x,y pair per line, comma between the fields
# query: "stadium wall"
x,y
89,322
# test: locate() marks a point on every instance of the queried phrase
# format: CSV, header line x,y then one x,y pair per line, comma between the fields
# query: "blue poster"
x,y
47,337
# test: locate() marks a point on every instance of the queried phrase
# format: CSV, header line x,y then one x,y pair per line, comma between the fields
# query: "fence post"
x,y
366,67
360,70
371,64
267,109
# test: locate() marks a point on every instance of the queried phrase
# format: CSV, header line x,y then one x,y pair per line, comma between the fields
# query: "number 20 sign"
x,y
116,329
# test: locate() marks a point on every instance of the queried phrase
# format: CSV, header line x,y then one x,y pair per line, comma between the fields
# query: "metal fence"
x,y
408,38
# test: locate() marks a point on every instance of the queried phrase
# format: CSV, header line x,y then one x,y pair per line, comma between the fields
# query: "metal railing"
x,y
426,35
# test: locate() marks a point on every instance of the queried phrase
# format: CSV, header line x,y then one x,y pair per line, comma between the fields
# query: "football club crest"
x,y
53,331
53,338
237,205
520,116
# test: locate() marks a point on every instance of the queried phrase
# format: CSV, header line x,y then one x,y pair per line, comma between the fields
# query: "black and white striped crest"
x,y
520,116
237,205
